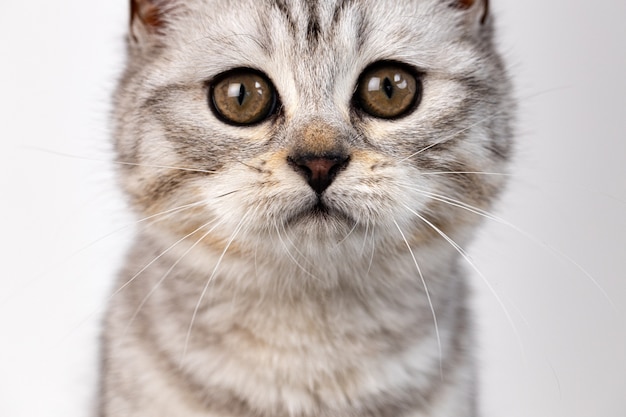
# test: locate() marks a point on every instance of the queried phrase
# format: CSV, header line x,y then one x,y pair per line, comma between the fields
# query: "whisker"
x,y
428,297
108,161
252,167
159,256
452,202
560,184
467,258
298,251
367,226
127,283
290,255
204,171
142,220
209,280
503,174
527,235
91,244
451,136
167,273
237,289
369,267
356,223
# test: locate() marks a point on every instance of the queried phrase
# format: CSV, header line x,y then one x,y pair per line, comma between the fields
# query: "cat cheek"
x,y
371,189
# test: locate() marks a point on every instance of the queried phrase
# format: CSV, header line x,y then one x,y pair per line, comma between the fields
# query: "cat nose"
x,y
319,171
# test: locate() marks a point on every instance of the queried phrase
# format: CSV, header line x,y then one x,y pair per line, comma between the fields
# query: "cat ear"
x,y
149,18
478,9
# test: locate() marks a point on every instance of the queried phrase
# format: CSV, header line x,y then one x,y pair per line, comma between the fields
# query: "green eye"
x,y
242,97
388,90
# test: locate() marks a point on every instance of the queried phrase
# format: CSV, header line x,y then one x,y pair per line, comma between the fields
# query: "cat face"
x,y
250,123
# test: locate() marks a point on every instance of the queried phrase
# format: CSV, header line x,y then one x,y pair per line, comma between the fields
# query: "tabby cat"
x,y
306,178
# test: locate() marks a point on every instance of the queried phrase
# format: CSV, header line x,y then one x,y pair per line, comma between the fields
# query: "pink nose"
x,y
319,171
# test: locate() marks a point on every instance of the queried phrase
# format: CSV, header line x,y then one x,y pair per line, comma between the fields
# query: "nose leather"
x,y
319,171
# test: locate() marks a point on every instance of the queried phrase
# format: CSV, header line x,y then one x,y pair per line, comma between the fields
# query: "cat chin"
x,y
321,217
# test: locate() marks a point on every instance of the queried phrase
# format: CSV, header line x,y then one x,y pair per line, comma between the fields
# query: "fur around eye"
x,y
242,97
388,90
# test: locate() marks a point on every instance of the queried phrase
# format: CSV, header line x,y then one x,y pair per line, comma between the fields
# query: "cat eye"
x,y
388,90
242,97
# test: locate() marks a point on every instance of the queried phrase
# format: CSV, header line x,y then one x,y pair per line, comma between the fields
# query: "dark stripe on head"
x,y
340,9
283,8
313,29
361,31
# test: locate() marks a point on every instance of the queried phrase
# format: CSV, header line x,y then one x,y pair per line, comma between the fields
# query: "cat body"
x,y
305,261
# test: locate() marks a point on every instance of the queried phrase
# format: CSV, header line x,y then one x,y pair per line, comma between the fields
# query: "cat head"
x,y
314,123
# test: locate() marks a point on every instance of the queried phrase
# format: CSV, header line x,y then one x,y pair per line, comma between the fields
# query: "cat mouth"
x,y
320,209
319,212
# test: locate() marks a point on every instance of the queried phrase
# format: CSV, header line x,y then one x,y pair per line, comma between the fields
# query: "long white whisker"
x,y
204,171
159,256
452,202
101,238
546,246
560,184
298,251
290,255
451,136
497,174
369,267
464,254
84,158
142,220
127,283
428,297
356,223
206,286
167,273
367,226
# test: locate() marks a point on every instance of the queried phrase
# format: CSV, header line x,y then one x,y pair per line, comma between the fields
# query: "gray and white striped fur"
x,y
239,296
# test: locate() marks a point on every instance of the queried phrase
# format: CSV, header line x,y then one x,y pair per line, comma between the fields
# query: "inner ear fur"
x,y
149,17
482,6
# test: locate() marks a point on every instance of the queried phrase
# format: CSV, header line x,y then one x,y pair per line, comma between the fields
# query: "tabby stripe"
x,y
283,8
313,29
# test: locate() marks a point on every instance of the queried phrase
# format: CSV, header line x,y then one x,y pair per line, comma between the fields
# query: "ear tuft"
x,y
149,16
483,5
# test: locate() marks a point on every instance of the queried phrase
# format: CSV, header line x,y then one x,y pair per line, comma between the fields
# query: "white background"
x,y
559,272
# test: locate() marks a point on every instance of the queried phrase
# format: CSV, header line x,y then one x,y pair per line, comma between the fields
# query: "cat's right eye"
x,y
242,97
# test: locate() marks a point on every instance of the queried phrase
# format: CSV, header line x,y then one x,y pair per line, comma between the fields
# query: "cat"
x,y
304,172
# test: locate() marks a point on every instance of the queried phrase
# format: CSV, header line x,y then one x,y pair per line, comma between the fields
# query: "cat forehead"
x,y
247,32
313,14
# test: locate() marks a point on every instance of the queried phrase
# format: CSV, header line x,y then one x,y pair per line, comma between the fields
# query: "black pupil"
x,y
242,94
388,87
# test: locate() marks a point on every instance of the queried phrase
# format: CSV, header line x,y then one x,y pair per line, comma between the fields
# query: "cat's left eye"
x,y
388,90
242,97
